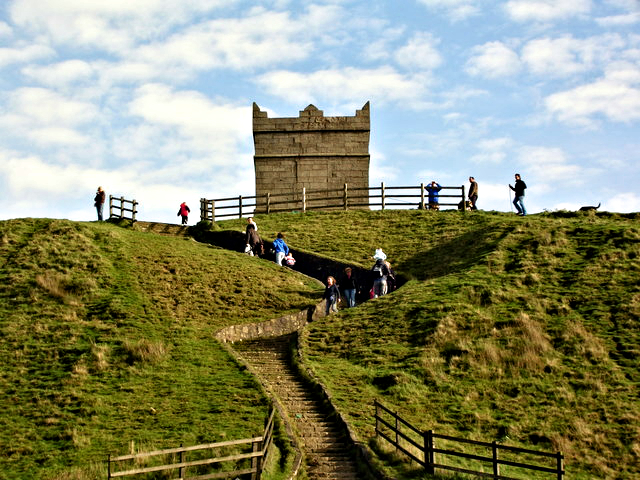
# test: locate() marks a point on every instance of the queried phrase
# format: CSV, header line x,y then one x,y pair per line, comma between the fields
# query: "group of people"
x,y
434,188
254,245
382,280
433,191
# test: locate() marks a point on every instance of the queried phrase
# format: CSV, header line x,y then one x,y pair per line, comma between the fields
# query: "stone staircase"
x,y
327,449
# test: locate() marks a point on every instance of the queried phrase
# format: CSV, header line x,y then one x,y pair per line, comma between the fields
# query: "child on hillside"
x,y
331,295
280,248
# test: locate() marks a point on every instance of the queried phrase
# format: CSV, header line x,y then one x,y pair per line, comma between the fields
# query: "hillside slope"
x,y
107,344
520,330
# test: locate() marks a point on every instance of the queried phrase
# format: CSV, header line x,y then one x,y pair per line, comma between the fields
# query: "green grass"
x,y
108,344
520,330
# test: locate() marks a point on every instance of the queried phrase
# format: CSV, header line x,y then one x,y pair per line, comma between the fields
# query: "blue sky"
x,y
151,99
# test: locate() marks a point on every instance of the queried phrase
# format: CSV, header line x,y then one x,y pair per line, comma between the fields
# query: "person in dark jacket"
x,y
331,295
183,212
473,192
98,202
519,189
349,286
379,273
254,245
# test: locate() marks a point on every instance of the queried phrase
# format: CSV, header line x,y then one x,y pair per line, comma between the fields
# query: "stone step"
x,y
327,447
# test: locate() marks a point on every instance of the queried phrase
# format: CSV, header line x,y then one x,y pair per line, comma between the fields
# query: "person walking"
x,y
380,273
331,295
98,202
473,192
519,189
254,245
349,287
281,248
432,189
183,212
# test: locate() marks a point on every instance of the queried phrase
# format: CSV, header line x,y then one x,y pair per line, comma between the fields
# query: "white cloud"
x,y
616,97
60,74
5,29
455,9
113,25
206,126
24,54
625,202
492,60
47,107
567,55
623,20
546,10
492,151
420,53
382,85
548,166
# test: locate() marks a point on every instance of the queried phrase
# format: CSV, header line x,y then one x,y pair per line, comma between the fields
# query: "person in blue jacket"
x,y
433,188
280,247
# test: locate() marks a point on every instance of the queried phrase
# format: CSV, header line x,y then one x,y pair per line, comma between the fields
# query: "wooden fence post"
x,y
109,467
304,199
345,197
135,210
239,206
396,429
181,470
268,202
375,406
464,204
496,465
213,211
110,206
560,465
256,464
203,215
121,207
429,456
382,194
422,207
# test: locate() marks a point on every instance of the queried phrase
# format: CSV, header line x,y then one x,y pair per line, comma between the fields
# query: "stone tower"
x,y
312,151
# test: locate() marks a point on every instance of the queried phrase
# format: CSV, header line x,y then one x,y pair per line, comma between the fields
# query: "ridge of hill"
x,y
519,330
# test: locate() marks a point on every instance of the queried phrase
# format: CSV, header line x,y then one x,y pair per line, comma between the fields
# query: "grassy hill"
x,y
107,344
521,330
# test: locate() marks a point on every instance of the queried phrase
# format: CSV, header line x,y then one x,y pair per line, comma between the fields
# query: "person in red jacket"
x,y
184,213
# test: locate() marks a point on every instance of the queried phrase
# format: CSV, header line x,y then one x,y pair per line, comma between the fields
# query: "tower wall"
x,y
311,151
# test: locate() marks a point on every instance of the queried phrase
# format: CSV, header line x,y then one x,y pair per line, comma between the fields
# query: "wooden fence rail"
x,y
420,446
248,464
119,204
413,196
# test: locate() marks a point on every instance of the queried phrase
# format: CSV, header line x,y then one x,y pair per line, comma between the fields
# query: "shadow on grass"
x,y
452,256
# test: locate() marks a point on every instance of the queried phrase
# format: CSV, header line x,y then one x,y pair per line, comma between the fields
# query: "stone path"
x,y
328,451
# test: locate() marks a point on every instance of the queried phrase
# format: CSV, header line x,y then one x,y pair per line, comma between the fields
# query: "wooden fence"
x,y
118,208
422,447
247,464
338,199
